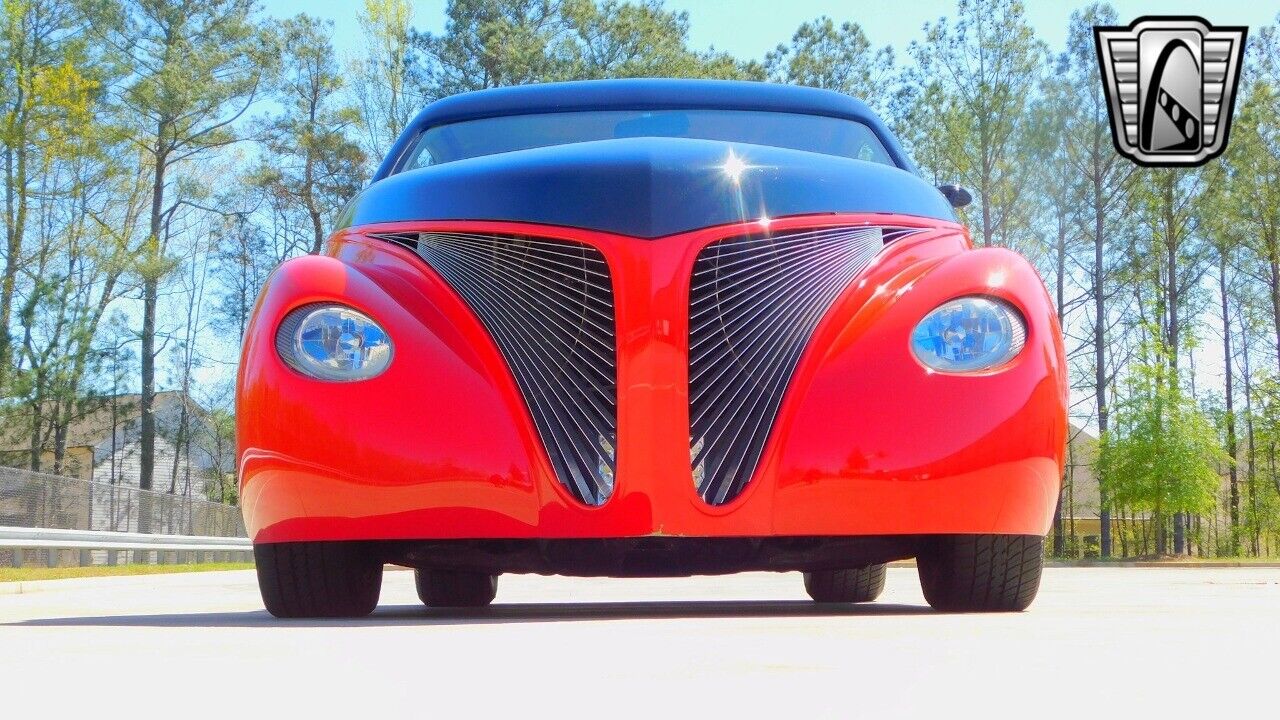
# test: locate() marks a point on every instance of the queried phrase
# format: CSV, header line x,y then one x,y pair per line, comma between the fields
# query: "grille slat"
x,y
754,303
548,305
762,288
769,342
546,321
549,257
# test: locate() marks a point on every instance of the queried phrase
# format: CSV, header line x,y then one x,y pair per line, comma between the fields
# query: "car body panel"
x,y
441,455
868,441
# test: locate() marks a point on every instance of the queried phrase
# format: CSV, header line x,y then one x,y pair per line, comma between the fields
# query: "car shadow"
x,y
499,614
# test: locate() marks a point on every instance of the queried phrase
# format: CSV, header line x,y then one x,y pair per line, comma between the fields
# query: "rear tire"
x,y
981,573
853,585
455,588
318,579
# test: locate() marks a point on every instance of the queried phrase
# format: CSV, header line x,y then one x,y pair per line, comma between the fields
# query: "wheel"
x,y
853,585
981,573
318,579
455,588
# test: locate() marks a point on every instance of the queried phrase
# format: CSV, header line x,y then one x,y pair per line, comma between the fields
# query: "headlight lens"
x,y
333,342
969,334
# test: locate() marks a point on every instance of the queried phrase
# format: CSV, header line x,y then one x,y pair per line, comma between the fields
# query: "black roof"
x,y
641,94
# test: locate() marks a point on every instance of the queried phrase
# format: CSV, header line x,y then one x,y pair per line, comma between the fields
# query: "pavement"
x,y
1098,643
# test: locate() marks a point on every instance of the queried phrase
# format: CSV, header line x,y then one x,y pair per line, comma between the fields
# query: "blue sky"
x,y
750,28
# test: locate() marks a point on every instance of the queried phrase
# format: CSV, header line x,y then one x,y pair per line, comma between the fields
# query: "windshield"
x,y
489,136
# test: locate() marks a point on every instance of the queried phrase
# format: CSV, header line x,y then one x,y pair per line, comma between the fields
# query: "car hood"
x,y
645,187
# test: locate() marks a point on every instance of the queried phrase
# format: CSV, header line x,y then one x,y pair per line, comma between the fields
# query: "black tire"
x,y
318,579
853,585
455,588
981,573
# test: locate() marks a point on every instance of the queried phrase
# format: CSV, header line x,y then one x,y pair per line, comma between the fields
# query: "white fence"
x,y
52,520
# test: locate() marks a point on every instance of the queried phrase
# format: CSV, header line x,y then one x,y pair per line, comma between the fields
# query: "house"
x,y
104,444
1081,505
1080,493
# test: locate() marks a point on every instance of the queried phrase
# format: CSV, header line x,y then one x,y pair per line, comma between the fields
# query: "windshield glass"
x,y
489,136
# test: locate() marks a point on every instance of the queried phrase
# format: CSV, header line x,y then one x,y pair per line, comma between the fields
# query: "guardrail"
x,y
17,537
53,520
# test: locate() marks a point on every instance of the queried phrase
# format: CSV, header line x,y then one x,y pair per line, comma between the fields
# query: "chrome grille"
x,y
548,304
754,303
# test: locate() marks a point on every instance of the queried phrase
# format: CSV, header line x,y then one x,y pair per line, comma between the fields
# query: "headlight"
x,y
968,334
333,342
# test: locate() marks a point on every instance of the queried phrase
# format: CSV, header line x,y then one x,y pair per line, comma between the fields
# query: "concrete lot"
x,y
1098,644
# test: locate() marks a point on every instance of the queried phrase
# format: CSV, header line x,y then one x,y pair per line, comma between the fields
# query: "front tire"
x,y
318,579
981,573
852,585
455,588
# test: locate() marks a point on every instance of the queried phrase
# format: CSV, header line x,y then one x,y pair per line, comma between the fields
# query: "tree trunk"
x,y
16,217
15,226
1059,540
37,420
1099,354
1074,548
317,228
1172,334
61,421
986,215
1229,411
179,439
309,183
150,298
1251,455
13,245
1125,524
1273,264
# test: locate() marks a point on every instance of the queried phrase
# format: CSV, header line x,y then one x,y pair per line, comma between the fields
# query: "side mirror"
x,y
956,195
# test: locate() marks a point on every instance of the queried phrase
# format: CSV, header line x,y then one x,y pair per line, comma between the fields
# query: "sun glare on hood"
x,y
734,166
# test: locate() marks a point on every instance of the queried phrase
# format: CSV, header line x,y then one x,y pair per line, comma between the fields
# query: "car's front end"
x,y
647,356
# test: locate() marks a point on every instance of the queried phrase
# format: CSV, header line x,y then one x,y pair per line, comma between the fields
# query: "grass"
x,y
1179,559
62,573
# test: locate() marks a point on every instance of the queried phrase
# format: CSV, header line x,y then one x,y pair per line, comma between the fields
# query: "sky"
x,y
750,28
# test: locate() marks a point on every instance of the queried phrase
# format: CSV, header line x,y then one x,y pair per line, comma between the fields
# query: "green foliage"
x,y
311,163
1162,454
1254,166
63,260
491,43
47,87
1260,506
631,39
381,73
976,76
1260,511
196,65
840,58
